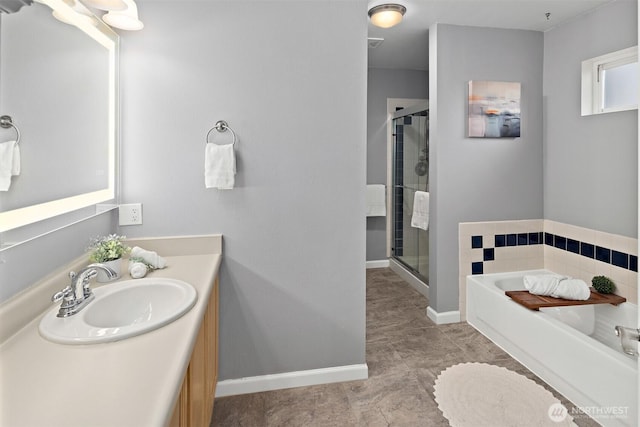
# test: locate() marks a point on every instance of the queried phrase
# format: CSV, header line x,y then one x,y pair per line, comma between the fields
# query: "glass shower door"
x,y
410,245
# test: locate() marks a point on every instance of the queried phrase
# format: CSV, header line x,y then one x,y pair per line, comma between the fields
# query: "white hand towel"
x,y
557,286
150,257
138,270
420,217
9,163
376,203
219,166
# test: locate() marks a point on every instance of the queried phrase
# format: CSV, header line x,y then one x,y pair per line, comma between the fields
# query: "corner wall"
x,y
475,179
591,162
290,79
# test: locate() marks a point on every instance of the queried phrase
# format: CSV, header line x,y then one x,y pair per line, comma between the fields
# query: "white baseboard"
x,y
383,263
444,317
292,379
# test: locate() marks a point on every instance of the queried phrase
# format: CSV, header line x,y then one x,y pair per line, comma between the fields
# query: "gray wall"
x,y
475,179
591,163
383,84
290,78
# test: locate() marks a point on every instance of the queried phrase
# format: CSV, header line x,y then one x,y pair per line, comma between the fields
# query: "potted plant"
x,y
108,250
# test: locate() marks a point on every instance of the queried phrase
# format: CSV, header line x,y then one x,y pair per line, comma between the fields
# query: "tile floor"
x,y
405,353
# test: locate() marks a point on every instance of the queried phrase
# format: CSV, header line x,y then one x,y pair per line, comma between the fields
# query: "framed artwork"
x,y
494,109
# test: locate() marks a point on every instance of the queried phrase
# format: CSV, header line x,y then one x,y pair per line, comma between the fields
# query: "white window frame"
x,y
592,84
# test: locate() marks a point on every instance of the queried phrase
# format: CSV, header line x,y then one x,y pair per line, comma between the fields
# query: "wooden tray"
x,y
535,302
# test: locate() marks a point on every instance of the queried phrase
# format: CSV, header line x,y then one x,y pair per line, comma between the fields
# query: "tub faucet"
x,y
78,294
629,338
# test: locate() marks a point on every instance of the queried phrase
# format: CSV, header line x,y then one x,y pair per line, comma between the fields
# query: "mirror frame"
x,y
102,34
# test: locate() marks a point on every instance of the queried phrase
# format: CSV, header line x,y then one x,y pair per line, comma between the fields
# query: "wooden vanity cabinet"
x,y
194,407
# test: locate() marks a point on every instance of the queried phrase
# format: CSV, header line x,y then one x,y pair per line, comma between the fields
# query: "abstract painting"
x,y
494,109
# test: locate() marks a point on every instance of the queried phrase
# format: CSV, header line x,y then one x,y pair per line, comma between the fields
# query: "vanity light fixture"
x,y
387,15
106,4
78,8
124,19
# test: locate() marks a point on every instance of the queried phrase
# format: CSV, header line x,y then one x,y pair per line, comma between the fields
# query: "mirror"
x,y
58,82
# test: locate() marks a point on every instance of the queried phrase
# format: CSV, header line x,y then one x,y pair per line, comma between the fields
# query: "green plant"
x,y
603,284
107,248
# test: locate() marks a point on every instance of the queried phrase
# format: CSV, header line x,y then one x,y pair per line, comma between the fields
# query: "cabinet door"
x,y
180,417
195,403
197,373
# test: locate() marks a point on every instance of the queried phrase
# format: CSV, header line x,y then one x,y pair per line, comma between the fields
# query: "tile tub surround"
x,y
405,353
503,246
131,382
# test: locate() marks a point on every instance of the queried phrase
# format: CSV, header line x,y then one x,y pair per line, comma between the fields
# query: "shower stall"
x,y
410,173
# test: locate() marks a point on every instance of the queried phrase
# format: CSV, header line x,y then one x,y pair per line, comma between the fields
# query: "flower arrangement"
x,y
108,248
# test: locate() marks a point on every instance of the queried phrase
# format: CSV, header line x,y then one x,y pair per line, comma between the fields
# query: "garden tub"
x,y
574,349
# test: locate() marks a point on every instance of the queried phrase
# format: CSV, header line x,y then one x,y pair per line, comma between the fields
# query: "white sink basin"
x,y
122,310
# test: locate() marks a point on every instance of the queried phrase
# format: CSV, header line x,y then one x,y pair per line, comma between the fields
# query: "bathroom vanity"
x,y
165,377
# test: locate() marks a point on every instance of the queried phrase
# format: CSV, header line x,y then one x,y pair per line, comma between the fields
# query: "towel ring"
x,y
6,122
222,126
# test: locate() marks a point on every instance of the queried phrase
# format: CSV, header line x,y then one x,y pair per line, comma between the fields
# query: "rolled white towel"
x,y
150,257
542,284
138,270
557,286
575,289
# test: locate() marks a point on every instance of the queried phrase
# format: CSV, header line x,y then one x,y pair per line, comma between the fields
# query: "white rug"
x,y
478,394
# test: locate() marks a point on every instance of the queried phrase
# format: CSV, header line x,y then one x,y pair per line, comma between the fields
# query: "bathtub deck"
x,y
535,302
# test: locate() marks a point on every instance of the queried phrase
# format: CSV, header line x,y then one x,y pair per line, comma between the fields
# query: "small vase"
x,y
115,264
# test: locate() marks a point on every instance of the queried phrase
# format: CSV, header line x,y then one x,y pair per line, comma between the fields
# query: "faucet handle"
x,y
63,294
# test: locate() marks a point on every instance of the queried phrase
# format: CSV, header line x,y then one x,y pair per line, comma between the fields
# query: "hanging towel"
x,y
219,166
9,163
376,203
420,217
557,286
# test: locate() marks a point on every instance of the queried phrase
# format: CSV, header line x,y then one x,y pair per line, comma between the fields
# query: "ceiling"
x,y
406,45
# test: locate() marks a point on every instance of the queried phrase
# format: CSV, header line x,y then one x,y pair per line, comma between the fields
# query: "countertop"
x,y
134,382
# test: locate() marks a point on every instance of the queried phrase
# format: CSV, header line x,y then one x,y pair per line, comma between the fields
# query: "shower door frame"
x,y
420,281
394,105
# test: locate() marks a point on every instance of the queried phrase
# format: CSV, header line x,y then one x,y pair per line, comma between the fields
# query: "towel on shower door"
x,y
420,217
557,286
376,203
219,166
9,163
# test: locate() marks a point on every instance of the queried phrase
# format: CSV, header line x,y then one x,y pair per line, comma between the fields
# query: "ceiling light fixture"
x,y
387,15
125,19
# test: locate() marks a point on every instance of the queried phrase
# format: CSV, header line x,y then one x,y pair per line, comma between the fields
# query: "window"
x,y
610,82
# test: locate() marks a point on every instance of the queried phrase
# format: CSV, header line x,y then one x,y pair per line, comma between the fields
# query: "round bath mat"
x,y
478,394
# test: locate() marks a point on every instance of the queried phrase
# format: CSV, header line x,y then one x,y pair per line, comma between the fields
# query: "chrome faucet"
x,y
629,338
78,294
